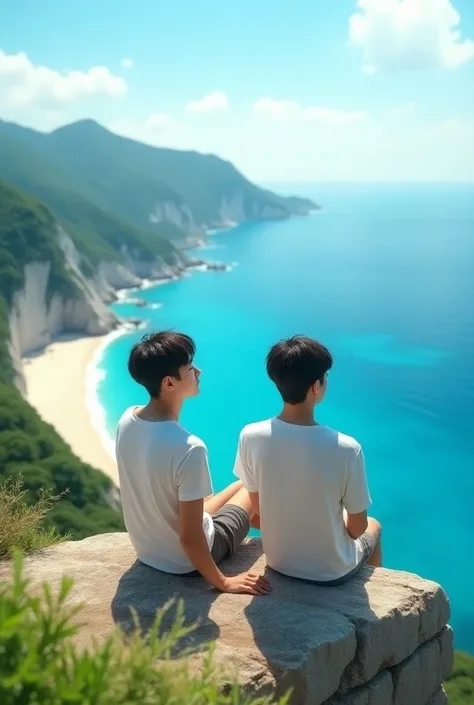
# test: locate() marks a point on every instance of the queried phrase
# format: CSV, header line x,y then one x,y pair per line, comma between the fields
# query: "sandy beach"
x,y
60,388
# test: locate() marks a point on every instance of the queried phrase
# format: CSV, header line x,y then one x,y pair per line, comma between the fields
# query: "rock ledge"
x,y
381,639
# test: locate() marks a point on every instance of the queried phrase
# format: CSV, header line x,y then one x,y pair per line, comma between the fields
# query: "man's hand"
x,y
247,583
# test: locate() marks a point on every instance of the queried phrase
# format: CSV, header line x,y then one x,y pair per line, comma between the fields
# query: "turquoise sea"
x,y
383,275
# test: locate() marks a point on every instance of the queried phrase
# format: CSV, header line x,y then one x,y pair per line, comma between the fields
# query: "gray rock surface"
x,y
377,640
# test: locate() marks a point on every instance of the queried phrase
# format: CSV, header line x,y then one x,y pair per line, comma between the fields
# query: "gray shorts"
x,y
366,544
231,525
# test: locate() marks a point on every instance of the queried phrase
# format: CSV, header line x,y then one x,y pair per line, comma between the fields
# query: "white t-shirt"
x,y
160,463
305,476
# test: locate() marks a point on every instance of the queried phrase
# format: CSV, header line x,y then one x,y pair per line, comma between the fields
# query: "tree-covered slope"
x,y
130,178
29,446
97,233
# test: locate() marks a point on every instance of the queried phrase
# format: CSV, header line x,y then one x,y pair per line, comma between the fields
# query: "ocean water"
x,y
383,275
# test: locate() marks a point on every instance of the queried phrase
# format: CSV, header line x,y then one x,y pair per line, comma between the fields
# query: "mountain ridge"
x,y
150,186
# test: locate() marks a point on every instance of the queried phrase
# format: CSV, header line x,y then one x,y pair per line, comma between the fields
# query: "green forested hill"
x,y
28,445
128,178
97,233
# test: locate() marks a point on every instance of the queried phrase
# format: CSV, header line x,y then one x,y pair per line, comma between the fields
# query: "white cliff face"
x,y
35,321
152,269
35,318
236,207
232,209
111,276
179,215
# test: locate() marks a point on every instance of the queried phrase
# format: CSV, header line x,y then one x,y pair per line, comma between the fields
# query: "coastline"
x,y
71,404
62,382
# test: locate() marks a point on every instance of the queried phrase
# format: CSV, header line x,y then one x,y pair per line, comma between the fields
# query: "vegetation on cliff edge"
x,y
29,447
460,685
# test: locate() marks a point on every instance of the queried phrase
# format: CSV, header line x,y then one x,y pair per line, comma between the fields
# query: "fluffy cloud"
x,y
127,63
406,110
22,83
408,35
211,102
291,111
150,130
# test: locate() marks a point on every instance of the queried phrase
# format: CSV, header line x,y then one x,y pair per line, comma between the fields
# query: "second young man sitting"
x,y
307,481
174,521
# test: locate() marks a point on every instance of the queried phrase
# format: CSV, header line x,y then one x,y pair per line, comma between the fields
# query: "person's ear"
x,y
167,384
316,389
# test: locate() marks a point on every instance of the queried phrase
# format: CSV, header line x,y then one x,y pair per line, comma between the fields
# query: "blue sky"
x,y
307,90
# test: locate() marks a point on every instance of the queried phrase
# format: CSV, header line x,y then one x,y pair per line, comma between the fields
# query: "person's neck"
x,y
161,410
298,414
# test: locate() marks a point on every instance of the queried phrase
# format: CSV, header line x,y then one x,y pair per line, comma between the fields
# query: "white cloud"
x,y
127,63
25,84
409,35
291,111
150,130
211,102
406,110
159,122
460,127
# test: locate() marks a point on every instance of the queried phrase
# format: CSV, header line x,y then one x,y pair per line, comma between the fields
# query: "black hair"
x,y
159,355
295,364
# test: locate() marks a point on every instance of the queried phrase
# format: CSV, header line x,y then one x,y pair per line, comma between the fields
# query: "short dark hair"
x,y
159,355
295,364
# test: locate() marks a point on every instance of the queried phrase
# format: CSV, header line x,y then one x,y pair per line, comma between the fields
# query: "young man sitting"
x,y
175,523
307,481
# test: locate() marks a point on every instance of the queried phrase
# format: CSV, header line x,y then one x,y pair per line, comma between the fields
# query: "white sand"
x,y
58,388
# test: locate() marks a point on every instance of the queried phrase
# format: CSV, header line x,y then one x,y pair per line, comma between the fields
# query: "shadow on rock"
x,y
144,590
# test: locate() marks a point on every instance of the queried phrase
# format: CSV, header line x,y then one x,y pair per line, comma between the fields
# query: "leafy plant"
x,y
460,684
21,524
31,448
41,664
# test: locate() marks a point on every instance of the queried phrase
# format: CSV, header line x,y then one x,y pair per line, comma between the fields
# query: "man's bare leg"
x,y
233,494
374,528
214,502
242,499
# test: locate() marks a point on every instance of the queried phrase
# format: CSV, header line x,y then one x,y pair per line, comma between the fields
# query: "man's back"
x,y
159,464
305,476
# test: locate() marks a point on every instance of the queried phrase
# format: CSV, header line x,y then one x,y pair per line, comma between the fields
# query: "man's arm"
x,y
356,497
356,524
194,543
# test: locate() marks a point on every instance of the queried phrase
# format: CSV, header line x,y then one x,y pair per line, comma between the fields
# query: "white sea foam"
x,y
123,294
95,374
152,283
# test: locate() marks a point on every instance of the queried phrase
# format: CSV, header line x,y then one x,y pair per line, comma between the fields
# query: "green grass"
x,y
40,664
460,686
22,524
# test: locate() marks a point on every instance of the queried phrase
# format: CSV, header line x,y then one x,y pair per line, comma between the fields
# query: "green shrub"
x,y
460,684
32,448
40,664
21,524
